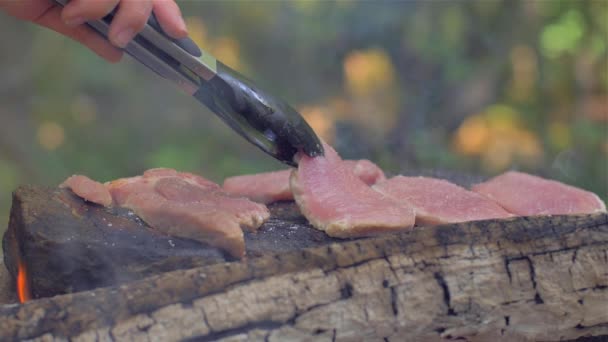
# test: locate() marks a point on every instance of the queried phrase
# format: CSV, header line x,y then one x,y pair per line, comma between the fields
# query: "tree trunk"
x,y
540,278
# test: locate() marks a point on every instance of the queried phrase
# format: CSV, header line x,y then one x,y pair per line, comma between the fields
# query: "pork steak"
x,y
524,194
268,187
335,200
88,189
180,204
437,201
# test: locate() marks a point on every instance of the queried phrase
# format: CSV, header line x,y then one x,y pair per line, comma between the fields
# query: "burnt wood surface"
x,y
7,286
69,245
537,278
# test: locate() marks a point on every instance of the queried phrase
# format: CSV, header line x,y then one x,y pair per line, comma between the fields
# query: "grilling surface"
x,y
69,245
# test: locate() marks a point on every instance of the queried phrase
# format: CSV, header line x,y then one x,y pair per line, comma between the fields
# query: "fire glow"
x,y
23,288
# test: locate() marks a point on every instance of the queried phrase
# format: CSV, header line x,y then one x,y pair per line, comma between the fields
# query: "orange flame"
x,y
23,287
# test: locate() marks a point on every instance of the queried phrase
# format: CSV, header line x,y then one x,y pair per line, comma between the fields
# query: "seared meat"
x,y
88,189
189,206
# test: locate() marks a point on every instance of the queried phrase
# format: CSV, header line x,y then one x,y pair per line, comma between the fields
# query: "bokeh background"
x,y
474,87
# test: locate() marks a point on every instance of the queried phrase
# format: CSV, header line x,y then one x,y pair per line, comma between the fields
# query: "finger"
x,y
76,12
170,18
130,19
83,34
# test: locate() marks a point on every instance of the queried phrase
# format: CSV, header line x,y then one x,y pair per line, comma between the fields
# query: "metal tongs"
x,y
264,120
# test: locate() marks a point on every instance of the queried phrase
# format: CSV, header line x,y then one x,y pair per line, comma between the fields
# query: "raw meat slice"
x,y
436,201
88,189
264,187
189,177
336,201
367,171
189,206
525,194
270,187
124,187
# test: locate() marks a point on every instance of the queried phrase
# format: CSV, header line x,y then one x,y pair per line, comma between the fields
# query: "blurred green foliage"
x,y
471,86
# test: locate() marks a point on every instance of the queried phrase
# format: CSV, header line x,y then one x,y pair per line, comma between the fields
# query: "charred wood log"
x,y
540,278
7,286
68,245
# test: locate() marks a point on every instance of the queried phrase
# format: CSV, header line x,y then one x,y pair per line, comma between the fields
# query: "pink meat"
x,y
336,201
367,171
525,194
125,187
270,187
264,187
436,201
189,206
88,189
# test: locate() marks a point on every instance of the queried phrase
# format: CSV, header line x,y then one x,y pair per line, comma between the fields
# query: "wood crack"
x,y
532,273
394,306
446,293
261,325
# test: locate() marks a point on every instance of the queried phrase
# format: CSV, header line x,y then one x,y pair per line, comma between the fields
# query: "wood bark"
x,y
542,279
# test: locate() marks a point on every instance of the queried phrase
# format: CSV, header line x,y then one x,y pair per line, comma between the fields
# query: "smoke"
x,y
567,164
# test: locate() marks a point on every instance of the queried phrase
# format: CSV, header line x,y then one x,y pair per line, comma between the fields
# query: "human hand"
x,y
129,20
